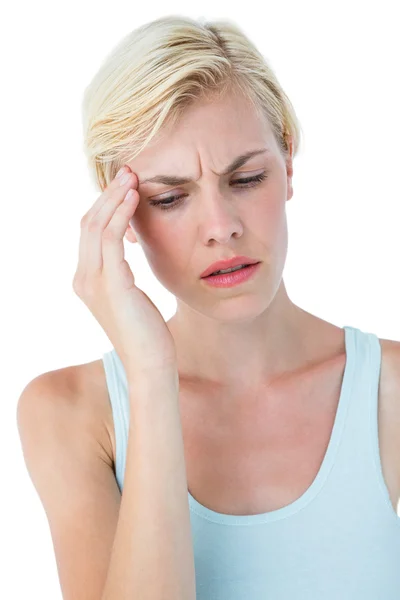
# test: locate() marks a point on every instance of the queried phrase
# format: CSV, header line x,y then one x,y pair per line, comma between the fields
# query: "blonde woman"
x,y
233,452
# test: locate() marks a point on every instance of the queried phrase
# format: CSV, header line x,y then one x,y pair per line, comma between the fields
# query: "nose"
x,y
219,219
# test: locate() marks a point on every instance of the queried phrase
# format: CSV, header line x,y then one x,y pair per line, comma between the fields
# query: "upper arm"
x,y
75,481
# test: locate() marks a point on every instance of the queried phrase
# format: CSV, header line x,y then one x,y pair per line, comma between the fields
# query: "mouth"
x,y
228,265
227,271
237,276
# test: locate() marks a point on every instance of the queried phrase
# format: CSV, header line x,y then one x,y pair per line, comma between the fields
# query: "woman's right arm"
x,y
152,556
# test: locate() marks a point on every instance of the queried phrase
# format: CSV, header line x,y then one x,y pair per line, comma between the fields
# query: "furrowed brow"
x,y
179,180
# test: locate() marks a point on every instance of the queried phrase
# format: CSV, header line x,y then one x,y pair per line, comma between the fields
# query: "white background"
x,y
339,64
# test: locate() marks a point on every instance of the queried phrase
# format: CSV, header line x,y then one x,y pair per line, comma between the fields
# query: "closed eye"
x,y
244,182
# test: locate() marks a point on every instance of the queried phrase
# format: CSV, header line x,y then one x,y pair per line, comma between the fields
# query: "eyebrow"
x,y
179,180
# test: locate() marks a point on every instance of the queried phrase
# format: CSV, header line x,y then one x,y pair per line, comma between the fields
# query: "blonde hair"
x,y
160,68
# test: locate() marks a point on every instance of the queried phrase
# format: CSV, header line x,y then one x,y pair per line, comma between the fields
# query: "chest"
x,y
265,454
232,470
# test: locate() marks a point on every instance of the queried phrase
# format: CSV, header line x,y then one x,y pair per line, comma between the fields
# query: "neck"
x,y
245,354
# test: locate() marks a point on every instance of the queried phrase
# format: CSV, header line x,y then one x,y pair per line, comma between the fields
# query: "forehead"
x,y
214,131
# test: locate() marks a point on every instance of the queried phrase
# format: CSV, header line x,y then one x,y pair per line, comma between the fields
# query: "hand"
x,y
106,284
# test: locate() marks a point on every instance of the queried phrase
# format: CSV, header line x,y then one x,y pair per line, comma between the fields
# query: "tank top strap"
x,y
363,353
375,369
358,467
118,394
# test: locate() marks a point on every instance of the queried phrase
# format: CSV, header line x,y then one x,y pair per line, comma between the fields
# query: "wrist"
x,y
153,377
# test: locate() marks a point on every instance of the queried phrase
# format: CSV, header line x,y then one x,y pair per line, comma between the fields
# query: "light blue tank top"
x,y
339,541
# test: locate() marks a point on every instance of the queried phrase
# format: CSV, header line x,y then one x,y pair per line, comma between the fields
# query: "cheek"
x,y
273,212
151,230
266,213
264,227
165,245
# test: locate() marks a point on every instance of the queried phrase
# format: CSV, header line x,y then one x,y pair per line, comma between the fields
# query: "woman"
x,y
232,452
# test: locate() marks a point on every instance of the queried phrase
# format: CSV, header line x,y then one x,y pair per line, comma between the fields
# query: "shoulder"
x,y
389,383
389,409
390,350
390,346
76,395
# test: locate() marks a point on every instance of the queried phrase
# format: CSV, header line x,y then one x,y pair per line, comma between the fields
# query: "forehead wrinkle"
x,y
179,179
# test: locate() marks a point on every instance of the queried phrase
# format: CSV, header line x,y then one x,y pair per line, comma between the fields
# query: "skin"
x,y
233,339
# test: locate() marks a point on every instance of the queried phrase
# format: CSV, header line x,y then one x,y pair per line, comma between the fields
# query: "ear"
x,y
130,234
289,168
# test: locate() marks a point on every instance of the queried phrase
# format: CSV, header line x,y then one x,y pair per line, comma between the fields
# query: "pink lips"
x,y
234,278
229,263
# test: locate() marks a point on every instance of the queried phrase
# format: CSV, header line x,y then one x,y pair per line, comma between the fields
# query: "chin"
x,y
231,309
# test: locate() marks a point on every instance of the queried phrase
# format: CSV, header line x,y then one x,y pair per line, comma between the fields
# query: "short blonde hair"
x,y
160,68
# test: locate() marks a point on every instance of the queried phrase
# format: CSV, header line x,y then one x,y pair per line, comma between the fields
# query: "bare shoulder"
x,y
389,414
390,345
80,393
390,374
389,398
390,366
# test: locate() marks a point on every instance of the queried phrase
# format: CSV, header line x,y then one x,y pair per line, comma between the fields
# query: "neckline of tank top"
x,y
325,467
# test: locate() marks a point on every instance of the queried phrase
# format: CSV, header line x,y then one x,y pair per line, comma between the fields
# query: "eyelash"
x,y
166,204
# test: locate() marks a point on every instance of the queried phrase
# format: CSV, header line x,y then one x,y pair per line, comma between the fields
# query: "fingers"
x,y
98,218
113,187
113,235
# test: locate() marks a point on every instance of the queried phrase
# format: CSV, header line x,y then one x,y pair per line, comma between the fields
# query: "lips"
x,y
228,263
229,270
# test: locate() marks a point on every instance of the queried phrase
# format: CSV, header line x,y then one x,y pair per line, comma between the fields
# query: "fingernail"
x,y
120,172
124,179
